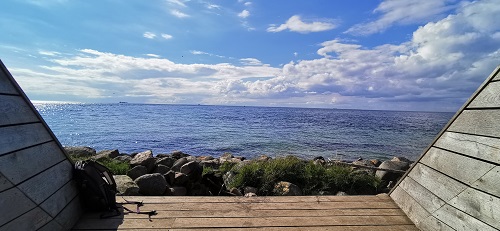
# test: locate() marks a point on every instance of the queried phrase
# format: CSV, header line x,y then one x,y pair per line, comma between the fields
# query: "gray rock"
x,y
393,165
249,189
151,184
145,159
250,195
284,188
137,171
400,158
205,158
340,193
191,158
106,154
162,169
80,151
191,168
210,163
178,164
170,177
180,179
178,191
178,154
167,161
263,158
123,158
236,192
126,186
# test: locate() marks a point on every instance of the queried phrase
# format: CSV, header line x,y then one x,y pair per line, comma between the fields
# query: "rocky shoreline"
x,y
180,174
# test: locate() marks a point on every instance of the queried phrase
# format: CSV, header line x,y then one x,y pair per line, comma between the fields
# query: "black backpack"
x,y
98,190
97,186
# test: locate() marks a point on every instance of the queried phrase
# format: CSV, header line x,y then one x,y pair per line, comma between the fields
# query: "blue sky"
x,y
389,55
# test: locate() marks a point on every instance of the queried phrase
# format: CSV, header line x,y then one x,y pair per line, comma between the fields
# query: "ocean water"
x,y
244,131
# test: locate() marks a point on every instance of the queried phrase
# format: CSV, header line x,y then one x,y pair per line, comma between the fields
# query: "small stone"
x,y
137,171
151,184
263,158
205,158
376,162
235,191
400,158
250,195
249,189
340,193
284,188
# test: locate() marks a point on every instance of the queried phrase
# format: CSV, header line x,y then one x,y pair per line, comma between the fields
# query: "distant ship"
x,y
123,102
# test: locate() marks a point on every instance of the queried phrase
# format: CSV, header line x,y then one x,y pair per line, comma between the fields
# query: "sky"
x,y
380,55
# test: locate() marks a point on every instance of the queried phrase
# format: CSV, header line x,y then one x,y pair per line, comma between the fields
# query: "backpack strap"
x,y
138,210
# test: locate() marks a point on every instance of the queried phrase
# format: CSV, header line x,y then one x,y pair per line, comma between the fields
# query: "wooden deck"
x,y
257,213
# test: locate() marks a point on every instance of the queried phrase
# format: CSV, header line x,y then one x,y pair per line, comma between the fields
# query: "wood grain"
x,y
32,220
57,201
480,205
481,147
478,122
4,183
432,223
419,193
464,169
410,206
22,136
43,185
459,220
14,110
6,86
488,97
14,203
68,217
15,166
440,185
490,182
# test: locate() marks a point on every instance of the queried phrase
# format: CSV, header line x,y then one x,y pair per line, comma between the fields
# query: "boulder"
x,y
162,169
284,188
178,154
225,157
205,158
376,162
180,179
137,171
400,158
249,189
123,158
262,158
145,159
191,168
393,165
191,158
178,164
170,177
167,161
210,163
80,151
236,192
126,186
162,155
178,191
106,154
151,184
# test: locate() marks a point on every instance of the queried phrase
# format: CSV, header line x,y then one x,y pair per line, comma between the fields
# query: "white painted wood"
x,y
18,137
460,221
488,97
432,224
4,182
410,206
57,201
479,122
32,220
13,203
490,182
462,168
43,185
19,166
481,147
14,110
480,205
422,195
440,185
70,214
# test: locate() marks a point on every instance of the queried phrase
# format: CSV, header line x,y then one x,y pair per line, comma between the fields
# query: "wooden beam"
x,y
459,220
480,147
13,110
22,136
478,122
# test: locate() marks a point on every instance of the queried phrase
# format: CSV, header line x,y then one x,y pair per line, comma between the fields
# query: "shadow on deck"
x,y
257,213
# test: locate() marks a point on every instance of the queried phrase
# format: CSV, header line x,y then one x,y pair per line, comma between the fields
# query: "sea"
x,y
202,130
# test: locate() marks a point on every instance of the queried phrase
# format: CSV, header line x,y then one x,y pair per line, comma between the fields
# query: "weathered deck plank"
x,y
258,213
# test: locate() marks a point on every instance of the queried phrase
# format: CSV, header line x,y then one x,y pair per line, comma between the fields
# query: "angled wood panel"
x,y
35,174
461,168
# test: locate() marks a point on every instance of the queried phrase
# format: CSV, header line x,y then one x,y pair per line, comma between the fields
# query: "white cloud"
x,y
195,52
401,12
179,14
295,54
296,24
251,62
153,55
166,36
177,2
48,53
213,6
149,35
244,14
247,3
